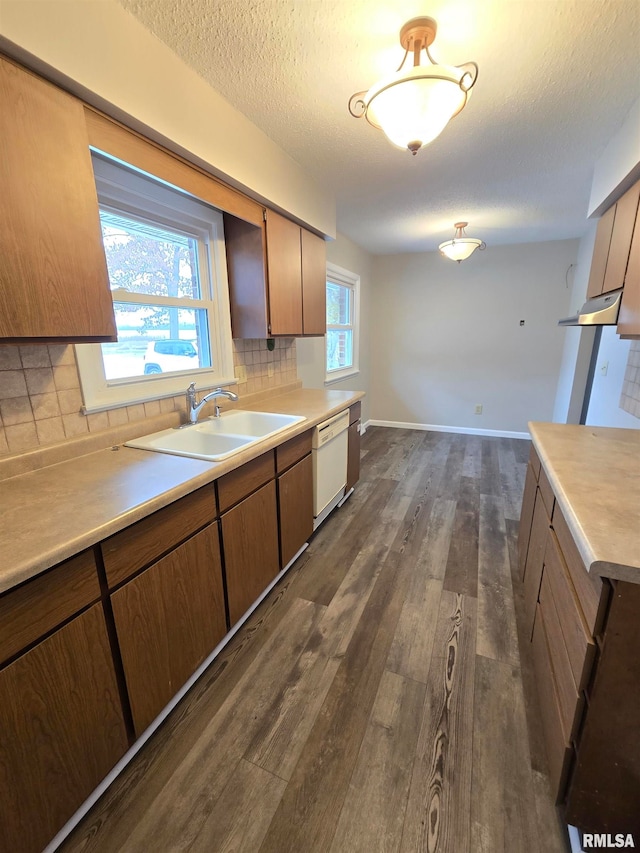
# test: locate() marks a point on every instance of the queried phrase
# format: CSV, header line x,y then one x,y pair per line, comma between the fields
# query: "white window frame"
x,y
345,278
125,190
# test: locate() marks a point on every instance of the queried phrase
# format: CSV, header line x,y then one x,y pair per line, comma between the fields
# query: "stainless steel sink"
x,y
217,438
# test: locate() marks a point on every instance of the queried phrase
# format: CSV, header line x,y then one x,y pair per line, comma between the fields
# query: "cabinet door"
x,y
629,319
168,620
526,519
353,456
53,276
285,275
535,561
314,283
61,730
604,792
295,502
601,252
623,224
250,545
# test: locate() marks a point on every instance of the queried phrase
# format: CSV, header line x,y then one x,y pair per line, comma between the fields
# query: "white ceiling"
x,y
557,79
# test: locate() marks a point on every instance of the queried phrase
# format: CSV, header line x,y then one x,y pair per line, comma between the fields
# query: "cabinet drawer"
x,y
546,491
570,702
292,451
588,589
142,543
579,644
36,607
236,485
558,750
355,412
534,461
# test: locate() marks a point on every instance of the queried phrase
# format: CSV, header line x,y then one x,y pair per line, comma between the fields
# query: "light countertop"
x,y
53,513
595,474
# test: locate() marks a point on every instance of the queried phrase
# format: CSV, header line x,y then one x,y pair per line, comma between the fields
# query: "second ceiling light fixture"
x,y
414,106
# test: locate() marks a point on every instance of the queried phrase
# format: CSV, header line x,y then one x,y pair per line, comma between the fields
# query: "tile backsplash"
x,y
630,396
40,399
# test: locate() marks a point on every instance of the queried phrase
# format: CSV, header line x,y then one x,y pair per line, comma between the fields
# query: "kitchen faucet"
x,y
194,408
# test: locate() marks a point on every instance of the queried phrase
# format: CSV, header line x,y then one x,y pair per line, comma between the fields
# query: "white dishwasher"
x,y
329,452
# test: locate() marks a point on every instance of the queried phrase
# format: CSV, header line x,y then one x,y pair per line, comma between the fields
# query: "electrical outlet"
x,y
241,373
478,409
271,370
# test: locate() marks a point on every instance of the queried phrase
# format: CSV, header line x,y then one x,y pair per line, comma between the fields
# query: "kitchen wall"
x,y
616,384
447,336
310,351
40,396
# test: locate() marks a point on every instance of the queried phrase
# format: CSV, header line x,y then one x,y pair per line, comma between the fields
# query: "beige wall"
x,y
102,53
40,397
310,351
447,336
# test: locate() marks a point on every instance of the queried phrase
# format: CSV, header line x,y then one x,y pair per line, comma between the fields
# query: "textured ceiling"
x,y
557,79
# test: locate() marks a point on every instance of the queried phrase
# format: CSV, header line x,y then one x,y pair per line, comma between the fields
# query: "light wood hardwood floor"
x,y
376,699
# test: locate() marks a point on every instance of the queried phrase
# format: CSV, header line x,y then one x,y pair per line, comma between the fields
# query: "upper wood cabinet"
x,y
613,244
54,284
277,278
629,317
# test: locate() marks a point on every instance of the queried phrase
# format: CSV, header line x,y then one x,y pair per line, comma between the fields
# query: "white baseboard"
x,y
498,433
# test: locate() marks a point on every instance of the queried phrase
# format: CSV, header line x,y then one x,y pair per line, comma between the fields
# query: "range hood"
x,y
599,311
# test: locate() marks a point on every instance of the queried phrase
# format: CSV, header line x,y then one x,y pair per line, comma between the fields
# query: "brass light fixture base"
x,y
460,224
420,31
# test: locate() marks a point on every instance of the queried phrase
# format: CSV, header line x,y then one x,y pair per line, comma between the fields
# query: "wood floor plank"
x,y
437,814
461,570
472,464
412,646
521,449
490,483
372,816
277,745
308,813
497,632
503,816
242,814
338,552
512,475
450,481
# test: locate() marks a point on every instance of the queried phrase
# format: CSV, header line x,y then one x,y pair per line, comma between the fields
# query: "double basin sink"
x,y
215,439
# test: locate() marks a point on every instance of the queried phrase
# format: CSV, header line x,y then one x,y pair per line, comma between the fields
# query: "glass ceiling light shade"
x,y
413,106
461,247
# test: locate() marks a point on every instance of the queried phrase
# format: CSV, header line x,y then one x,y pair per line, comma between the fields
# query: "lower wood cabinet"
x,y
61,730
295,503
353,446
250,543
168,620
586,654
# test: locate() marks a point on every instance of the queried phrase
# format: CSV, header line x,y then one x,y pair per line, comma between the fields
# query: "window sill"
x,y
331,380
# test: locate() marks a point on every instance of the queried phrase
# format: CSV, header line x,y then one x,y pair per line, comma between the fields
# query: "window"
x,y
165,257
343,306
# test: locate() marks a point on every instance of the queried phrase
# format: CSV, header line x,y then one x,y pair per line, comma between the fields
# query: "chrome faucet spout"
x,y
194,408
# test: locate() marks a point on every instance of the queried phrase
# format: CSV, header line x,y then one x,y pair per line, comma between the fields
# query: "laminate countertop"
x,y
54,513
595,475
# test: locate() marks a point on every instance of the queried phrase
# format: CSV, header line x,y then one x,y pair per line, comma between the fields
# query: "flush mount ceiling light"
x,y
461,247
413,106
